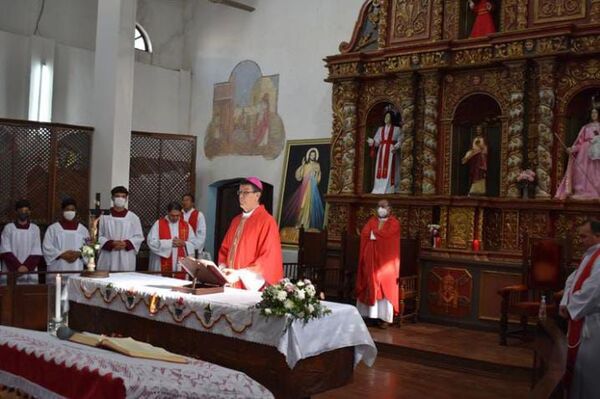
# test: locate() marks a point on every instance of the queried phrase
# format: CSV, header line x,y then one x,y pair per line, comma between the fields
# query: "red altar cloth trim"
x,y
65,381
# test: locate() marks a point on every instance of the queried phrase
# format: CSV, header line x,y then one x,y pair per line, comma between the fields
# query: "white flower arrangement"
x,y
297,301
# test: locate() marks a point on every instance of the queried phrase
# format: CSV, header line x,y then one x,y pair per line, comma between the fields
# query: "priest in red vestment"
x,y
379,266
251,249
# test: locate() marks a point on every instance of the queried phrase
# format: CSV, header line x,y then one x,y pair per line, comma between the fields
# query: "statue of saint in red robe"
x,y
484,22
379,267
252,246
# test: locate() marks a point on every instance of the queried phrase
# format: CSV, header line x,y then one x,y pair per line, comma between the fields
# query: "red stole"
x,y
385,147
193,221
484,23
379,262
576,326
164,233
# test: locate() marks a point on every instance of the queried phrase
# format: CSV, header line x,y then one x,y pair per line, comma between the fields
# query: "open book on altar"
x,y
127,346
204,272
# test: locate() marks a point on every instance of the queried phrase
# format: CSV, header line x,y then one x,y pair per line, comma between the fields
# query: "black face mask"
x,y
23,216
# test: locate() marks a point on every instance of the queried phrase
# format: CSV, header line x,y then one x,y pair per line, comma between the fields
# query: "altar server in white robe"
x,y
120,235
196,219
63,240
580,304
171,238
20,245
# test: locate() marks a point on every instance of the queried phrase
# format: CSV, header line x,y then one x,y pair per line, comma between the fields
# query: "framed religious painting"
x,y
303,188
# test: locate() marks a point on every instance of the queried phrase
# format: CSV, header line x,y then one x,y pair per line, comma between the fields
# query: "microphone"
x,y
64,333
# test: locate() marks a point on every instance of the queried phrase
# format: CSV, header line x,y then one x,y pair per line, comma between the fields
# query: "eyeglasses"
x,y
244,193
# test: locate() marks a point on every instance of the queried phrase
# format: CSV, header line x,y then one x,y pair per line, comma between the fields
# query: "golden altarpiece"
x,y
527,87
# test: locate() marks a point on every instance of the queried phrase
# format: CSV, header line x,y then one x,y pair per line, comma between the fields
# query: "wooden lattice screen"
x,y
162,169
44,163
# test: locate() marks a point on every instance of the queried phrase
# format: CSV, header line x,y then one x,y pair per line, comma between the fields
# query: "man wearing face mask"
x,y
20,245
379,267
171,238
63,240
120,235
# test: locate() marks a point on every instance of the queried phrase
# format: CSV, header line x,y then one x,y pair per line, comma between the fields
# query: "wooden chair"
x,y
409,279
312,259
350,252
545,263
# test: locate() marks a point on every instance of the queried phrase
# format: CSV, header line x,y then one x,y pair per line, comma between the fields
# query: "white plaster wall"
x,y
285,37
164,23
14,75
161,99
70,22
73,85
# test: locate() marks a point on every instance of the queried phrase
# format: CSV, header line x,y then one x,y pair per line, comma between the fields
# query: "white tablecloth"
x,y
230,313
142,378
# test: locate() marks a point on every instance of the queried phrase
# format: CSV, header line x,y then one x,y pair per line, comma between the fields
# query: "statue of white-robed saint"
x,y
384,148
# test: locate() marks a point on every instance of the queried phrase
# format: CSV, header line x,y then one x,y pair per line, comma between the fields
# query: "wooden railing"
x,y
549,361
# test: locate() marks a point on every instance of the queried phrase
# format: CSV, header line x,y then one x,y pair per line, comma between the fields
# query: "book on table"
x,y
127,346
204,271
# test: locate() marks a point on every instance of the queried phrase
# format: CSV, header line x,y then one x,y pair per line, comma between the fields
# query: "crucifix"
x,y
94,217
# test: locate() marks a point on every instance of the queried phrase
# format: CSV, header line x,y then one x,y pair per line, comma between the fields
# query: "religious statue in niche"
x,y
582,177
476,159
384,148
484,21
245,119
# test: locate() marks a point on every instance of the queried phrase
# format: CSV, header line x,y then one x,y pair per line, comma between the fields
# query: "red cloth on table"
x,y
58,378
379,262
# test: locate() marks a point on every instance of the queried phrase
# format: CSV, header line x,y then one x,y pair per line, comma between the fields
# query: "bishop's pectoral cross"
x,y
94,218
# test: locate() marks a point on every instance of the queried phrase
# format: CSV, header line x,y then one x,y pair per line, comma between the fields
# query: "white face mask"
x,y
382,212
120,202
69,215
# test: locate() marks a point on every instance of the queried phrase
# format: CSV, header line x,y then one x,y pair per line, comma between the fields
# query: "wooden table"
x,y
263,363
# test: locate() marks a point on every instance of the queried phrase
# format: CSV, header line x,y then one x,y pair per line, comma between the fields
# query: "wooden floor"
x,y
433,361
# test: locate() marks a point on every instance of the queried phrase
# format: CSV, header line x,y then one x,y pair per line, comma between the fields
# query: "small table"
x,y
225,329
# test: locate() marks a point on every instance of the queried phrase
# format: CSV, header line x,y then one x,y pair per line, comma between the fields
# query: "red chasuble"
x,y
576,326
164,233
256,247
379,262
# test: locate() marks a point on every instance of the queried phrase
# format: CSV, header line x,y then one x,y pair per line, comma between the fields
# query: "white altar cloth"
x,y
142,378
230,313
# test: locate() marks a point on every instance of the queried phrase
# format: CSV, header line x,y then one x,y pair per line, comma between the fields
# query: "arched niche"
x,y
473,111
577,114
375,119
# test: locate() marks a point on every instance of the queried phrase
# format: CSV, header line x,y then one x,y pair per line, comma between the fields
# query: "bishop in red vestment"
x,y
379,266
251,249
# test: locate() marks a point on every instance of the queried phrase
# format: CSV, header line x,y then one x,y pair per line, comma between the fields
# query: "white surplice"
x,y
586,303
58,240
163,248
22,243
124,228
200,229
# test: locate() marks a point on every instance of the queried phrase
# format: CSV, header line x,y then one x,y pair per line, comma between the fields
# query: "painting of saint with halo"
x,y
303,188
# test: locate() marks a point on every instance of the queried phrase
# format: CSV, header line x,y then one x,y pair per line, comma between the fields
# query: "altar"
x,y
291,361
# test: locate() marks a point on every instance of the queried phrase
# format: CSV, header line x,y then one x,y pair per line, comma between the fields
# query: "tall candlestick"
x,y
57,314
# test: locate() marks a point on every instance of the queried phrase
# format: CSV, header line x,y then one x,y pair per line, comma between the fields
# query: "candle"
x,y
476,245
57,314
